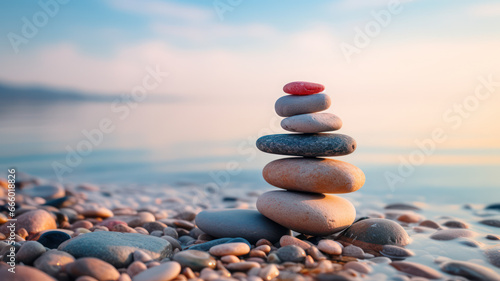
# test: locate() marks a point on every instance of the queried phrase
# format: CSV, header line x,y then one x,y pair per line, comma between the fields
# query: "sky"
x,y
396,72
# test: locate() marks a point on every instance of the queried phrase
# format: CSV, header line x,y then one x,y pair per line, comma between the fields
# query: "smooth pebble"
x,y
317,175
289,105
236,249
303,88
330,247
291,253
163,272
312,123
307,145
307,213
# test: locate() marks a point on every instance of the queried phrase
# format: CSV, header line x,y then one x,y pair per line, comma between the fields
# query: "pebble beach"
x,y
310,224
89,232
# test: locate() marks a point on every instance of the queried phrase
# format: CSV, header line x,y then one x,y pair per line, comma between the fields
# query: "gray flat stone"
x,y
290,105
248,224
116,248
312,123
307,145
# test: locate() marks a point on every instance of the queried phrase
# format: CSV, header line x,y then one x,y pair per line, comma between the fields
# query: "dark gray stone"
x,y
52,239
493,237
116,248
396,252
491,222
62,202
248,224
495,206
175,243
291,253
455,224
29,252
373,234
186,239
493,255
154,225
469,270
307,145
402,206
207,245
5,252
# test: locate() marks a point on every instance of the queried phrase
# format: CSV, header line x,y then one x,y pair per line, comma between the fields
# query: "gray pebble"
x,y
170,231
140,255
491,222
29,252
116,248
291,253
469,270
291,105
51,261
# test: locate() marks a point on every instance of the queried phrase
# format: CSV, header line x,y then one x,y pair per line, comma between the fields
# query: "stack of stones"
x,y
303,205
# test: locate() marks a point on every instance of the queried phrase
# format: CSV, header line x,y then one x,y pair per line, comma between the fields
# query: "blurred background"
x,y
177,92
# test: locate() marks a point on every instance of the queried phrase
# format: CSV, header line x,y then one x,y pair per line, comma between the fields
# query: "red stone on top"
x,y
301,88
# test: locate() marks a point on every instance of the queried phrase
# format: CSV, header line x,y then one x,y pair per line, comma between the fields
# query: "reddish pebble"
x,y
236,249
287,240
263,242
136,268
81,224
257,253
264,248
330,247
410,218
110,223
230,259
301,88
242,266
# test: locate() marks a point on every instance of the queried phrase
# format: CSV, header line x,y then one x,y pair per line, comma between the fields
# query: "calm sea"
x,y
184,144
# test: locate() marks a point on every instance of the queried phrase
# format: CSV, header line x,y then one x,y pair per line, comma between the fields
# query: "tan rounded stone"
x,y
236,249
163,272
307,213
242,266
287,240
230,259
33,221
330,247
317,175
25,273
93,267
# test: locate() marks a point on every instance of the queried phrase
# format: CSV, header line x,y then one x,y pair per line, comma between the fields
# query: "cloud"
x,y
168,9
209,32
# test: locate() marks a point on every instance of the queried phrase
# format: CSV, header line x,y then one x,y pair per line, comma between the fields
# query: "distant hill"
x,y
19,94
